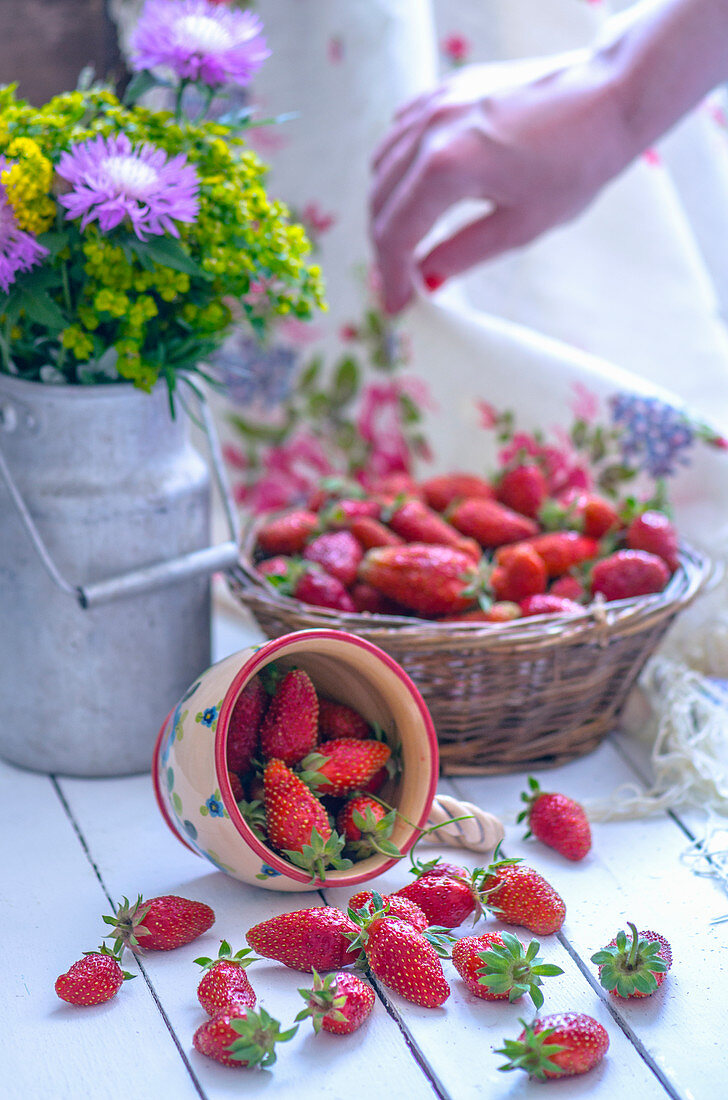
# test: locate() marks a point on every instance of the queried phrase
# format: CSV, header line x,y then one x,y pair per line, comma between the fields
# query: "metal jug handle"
x,y
148,577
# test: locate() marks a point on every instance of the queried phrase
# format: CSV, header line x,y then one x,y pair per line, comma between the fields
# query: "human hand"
x,y
536,146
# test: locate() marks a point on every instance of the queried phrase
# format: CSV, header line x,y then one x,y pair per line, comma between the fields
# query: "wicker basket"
x,y
510,696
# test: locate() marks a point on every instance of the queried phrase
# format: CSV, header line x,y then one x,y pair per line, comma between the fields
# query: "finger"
x,y
404,116
505,228
392,168
421,196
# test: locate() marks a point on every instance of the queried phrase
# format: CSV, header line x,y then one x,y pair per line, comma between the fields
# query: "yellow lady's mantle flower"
x,y
27,182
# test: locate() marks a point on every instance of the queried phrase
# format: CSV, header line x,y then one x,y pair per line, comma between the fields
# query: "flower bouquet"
x,y
132,240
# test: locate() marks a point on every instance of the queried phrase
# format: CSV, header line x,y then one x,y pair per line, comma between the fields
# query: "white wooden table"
x,y
70,846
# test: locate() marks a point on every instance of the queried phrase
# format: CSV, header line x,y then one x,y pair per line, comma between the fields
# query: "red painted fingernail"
x,y
433,281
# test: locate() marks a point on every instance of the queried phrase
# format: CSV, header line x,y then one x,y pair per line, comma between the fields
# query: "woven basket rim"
x,y
599,620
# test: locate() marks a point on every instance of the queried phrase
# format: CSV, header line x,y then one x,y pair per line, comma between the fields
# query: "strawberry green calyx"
x,y
511,969
323,999
320,854
375,833
633,966
258,1035
243,958
439,938
529,797
254,816
127,924
532,1052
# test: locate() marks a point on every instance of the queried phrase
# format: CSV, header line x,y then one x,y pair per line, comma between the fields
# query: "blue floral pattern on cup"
x,y
208,717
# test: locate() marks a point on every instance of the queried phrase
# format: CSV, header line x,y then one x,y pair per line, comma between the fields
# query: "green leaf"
x,y
141,83
167,252
41,308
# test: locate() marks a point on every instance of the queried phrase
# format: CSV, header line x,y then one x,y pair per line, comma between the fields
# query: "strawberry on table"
x,y
403,959
225,986
289,729
242,736
634,964
523,488
652,531
338,1003
427,579
496,967
628,573
94,979
297,823
556,820
446,901
344,764
561,1045
159,924
440,491
517,894
287,534
489,522
307,939
340,720
338,553
245,1038
394,905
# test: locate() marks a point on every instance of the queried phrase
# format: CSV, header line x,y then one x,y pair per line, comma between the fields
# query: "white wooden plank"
x,y
634,872
52,902
136,853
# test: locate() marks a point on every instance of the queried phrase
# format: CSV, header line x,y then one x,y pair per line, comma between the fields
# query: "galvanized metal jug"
x,y
104,573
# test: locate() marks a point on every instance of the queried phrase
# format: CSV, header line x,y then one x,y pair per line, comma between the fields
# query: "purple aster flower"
x,y
19,251
199,40
113,180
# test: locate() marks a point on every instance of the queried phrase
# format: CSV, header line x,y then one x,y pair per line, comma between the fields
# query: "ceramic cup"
x,y
191,779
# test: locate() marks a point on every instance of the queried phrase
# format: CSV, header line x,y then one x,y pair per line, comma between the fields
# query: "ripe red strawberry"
x,y
634,965
307,939
366,826
375,784
489,522
294,816
445,901
344,764
95,978
440,868
568,587
430,580
395,485
371,532
629,573
549,604
287,534
561,1045
594,515
556,820
289,729
367,598
395,905
348,511
560,550
242,737
225,987
440,491
338,553
236,786
404,960
339,1003
320,589
280,569
497,967
523,575
415,522
523,488
501,611
517,894
245,1038
652,531
340,720
160,924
